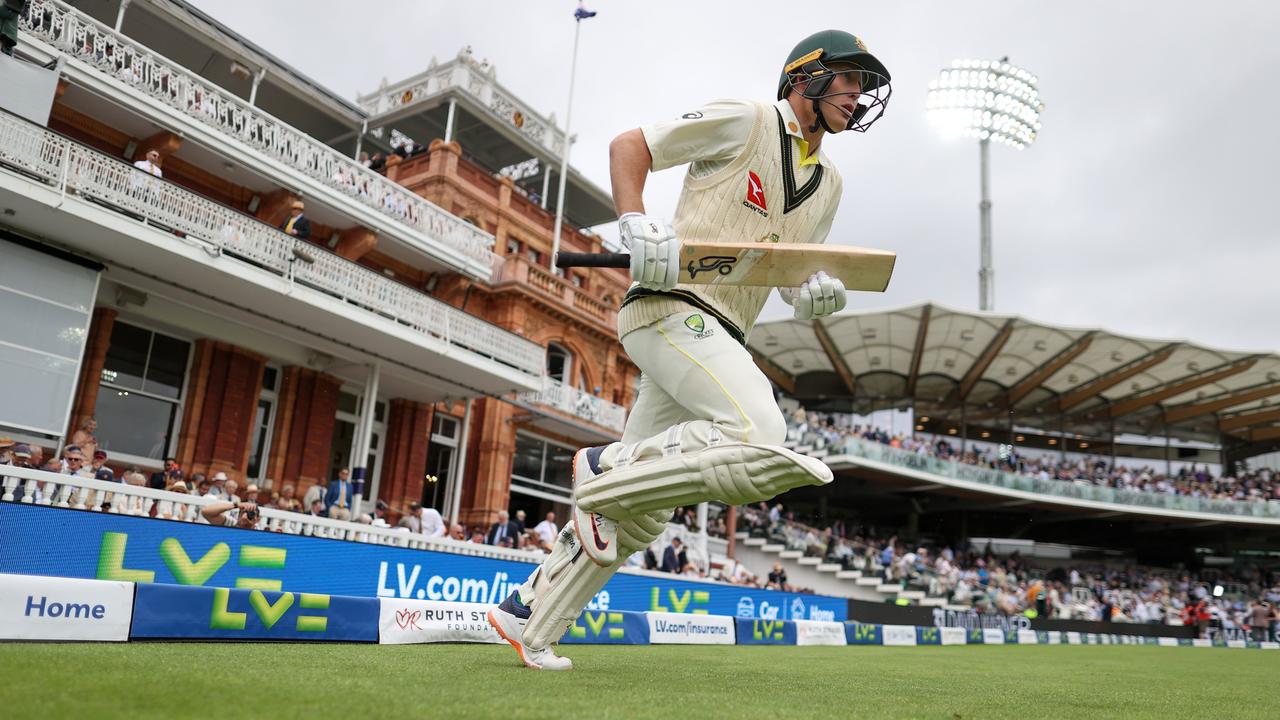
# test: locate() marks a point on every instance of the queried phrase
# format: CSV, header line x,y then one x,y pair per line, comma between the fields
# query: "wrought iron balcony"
x,y
578,404
421,223
69,167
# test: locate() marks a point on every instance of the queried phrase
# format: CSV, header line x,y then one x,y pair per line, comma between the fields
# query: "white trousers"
x,y
694,375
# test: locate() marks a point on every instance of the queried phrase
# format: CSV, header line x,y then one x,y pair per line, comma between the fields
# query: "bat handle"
x,y
606,260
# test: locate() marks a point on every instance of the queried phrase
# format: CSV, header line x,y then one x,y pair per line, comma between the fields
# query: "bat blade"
x,y
784,265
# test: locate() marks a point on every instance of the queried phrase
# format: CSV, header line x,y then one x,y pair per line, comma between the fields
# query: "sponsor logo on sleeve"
x,y
48,608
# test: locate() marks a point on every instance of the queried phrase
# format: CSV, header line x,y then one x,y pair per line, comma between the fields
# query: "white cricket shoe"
x,y
597,534
509,620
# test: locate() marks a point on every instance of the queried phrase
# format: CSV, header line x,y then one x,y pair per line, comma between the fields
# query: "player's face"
x,y
842,96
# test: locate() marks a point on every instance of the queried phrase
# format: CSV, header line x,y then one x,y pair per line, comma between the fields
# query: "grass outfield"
x,y
170,680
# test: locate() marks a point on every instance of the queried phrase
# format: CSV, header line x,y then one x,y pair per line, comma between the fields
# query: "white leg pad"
x,y
565,582
732,473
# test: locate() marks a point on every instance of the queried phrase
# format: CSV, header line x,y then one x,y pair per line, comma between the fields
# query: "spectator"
x,y
150,164
297,224
503,533
37,456
251,493
364,159
218,488
456,532
100,469
377,163
6,450
432,523
778,578
164,478
546,531
242,515
85,439
1260,620
317,508
519,521
337,499
202,485
380,514
650,561
412,520
477,536
315,492
230,489
73,462
671,562
20,456
287,501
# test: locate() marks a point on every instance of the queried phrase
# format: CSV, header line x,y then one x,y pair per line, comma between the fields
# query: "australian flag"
x,y
582,13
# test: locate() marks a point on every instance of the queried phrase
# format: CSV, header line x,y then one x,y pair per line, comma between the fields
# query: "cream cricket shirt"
x,y
750,179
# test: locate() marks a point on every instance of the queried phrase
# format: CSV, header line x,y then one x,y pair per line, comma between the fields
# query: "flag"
x,y
582,13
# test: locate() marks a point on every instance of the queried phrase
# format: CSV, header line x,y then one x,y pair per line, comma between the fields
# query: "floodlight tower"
x,y
988,100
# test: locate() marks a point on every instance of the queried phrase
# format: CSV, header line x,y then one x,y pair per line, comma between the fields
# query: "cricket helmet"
x,y
811,62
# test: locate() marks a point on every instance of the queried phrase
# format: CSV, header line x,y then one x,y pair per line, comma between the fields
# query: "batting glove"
x,y
655,250
819,296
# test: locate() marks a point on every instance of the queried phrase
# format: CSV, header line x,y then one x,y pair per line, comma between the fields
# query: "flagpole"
x,y
564,159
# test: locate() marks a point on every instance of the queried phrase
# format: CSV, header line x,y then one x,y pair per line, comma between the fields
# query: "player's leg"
x,y
731,452
536,615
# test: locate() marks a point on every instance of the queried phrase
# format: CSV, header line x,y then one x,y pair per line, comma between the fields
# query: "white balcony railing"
x,y
464,74
37,487
573,401
69,167
167,82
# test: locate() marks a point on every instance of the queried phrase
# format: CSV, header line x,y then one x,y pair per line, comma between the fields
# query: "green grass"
x,y
418,682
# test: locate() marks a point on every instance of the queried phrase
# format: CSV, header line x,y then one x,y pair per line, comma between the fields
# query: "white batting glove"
x,y
819,296
655,250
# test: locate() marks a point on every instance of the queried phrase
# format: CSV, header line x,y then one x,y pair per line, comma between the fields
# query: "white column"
x,y
459,466
257,80
546,185
702,534
448,123
124,5
364,435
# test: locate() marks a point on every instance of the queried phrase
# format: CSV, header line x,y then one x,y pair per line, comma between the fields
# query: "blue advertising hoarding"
x,y
766,632
209,613
608,627
75,543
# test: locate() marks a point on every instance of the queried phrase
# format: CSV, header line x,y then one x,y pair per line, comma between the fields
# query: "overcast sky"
x,y
1149,204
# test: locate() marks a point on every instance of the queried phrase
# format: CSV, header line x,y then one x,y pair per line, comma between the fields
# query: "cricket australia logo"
x,y
698,326
755,195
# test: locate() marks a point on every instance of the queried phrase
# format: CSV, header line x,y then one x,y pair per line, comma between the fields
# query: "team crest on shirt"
x,y
755,195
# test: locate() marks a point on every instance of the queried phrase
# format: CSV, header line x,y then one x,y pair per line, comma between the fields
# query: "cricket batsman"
x,y
705,425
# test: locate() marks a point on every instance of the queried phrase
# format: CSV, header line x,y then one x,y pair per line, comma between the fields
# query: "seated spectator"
x,y
477,536
287,501
503,533
297,224
230,488
218,488
339,495
73,462
315,492
317,509
251,493
456,532
364,159
164,478
202,485
777,578
6,450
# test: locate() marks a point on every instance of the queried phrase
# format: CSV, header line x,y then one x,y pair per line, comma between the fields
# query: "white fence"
x,y
38,487
70,167
167,82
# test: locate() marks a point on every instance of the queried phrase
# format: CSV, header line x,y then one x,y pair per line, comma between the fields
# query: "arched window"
x,y
560,363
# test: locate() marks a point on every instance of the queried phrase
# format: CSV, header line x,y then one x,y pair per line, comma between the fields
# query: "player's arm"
x,y
718,130
821,294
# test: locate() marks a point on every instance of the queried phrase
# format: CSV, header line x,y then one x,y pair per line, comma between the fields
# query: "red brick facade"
x,y
222,401
404,457
95,356
303,432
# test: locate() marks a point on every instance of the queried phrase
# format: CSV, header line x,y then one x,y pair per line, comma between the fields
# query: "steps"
x,y
872,582
932,602
809,560
888,588
830,567
791,554
911,595
849,574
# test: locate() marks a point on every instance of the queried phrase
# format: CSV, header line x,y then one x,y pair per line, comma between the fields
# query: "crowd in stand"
x,y
1259,485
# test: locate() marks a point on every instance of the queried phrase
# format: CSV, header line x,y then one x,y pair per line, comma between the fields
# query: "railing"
x,y
167,82
466,75
219,230
524,272
24,485
1064,490
574,402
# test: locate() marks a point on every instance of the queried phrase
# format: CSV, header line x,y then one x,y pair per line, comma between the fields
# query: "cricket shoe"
x,y
509,620
597,534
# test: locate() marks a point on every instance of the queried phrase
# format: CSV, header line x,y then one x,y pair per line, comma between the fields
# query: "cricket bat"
x,y
763,264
